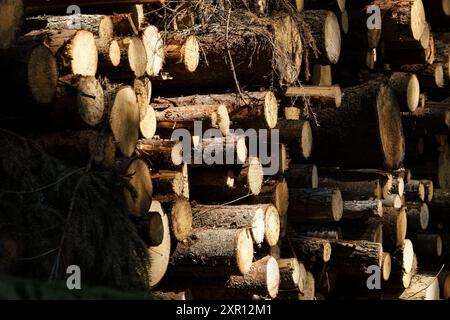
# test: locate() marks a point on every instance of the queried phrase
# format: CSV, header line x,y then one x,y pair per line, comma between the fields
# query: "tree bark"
x,y
162,154
302,176
354,190
417,216
317,96
407,88
362,209
394,228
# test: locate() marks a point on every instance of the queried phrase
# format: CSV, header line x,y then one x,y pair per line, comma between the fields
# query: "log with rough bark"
x,y
257,109
353,190
179,212
427,246
368,121
439,207
139,198
211,116
182,53
292,275
297,135
263,220
274,192
432,77
162,154
405,20
213,252
432,118
394,227
436,169
321,75
362,209
229,50
407,89
369,230
355,257
398,186
404,266
325,29
123,116
424,286
317,96
400,59
309,248
79,102
302,176
418,216
147,115
80,146
75,50
359,36
330,232
319,205
415,191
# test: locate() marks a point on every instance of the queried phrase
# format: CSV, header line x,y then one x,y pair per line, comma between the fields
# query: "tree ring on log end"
x,y
84,54
114,53
273,277
326,251
244,251
90,100
191,53
386,266
154,46
272,225
390,128
271,109
42,74
332,38
413,93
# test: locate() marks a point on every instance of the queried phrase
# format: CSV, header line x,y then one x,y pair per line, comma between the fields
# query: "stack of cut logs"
x,y
358,91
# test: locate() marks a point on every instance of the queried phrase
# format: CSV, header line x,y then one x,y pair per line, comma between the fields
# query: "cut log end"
x,y
12,13
390,126
220,119
344,22
155,229
244,251
255,176
124,120
90,102
307,140
141,181
326,251
413,93
159,255
271,109
418,20
281,197
386,266
114,53
332,38
147,124
337,205
181,219
408,256
137,57
154,46
272,225
83,51
272,277
42,74
191,53
401,226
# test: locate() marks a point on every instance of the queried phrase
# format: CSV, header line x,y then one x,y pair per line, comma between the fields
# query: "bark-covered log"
x,y
211,116
162,154
302,176
264,51
182,53
320,205
368,121
415,191
263,220
274,192
75,50
392,201
213,252
325,29
330,232
165,295
417,215
317,96
298,137
309,292
150,227
353,190
439,212
394,228
429,190
291,273
255,110
404,266
369,230
310,249
355,257
360,37
427,246
80,146
334,5
407,89
405,20
362,209
166,182
321,75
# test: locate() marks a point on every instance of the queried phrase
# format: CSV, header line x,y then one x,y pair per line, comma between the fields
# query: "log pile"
x,y
273,150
